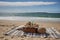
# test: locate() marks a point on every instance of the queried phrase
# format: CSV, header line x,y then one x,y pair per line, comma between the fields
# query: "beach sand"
x,y
6,25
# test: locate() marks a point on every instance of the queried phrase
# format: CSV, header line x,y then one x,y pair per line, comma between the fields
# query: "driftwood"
x,y
33,30
42,30
30,29
29,24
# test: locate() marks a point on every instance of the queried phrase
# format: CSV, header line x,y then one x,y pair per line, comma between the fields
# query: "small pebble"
x,y
6,39
1,37
22,36
22,39
12,37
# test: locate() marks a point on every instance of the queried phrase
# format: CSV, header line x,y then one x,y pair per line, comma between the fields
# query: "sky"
x,y
21,6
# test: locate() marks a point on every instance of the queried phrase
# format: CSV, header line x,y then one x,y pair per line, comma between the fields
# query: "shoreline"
x,y
41,19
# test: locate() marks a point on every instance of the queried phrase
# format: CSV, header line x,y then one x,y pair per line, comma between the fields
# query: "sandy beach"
x,y
6,25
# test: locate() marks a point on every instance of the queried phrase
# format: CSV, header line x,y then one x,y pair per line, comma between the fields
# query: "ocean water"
x,y
37,14
44,17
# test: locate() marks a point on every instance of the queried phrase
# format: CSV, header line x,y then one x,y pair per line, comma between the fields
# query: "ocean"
x,y
37,14
44,17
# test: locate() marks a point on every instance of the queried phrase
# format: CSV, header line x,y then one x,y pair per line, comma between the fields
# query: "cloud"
x,y
25,3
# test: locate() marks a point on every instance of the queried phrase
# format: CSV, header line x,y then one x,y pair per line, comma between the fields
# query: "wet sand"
x,y
6,25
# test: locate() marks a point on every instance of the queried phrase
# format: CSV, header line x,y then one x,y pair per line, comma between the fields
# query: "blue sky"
x,y
18,6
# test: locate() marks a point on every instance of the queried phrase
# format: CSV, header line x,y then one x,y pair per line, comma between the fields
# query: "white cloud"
x,y
25,3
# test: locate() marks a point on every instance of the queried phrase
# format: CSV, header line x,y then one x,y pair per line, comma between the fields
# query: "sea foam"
x,y
44,19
